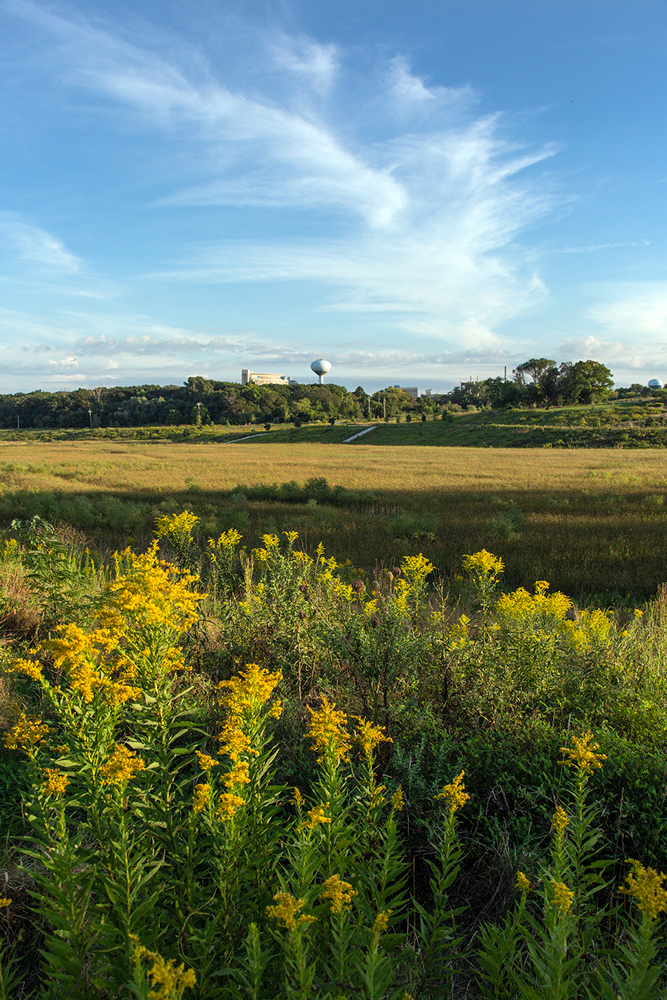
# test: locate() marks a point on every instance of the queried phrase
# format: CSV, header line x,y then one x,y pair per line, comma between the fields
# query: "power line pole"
x,y
90,415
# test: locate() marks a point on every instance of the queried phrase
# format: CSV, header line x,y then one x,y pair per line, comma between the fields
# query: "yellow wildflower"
x,y
4,901
327,730
27,667
560,821
368,736
56,781
381,921
562,896
291,536
201,798
397,800
228,805
582,754
177,527
149,593
206,763
522,883
483,563
297,798
168,980
454,794
286,909
26,734
416,569
121,766
251,689
316,817
276,710
637,613
239,774
645,885
340,893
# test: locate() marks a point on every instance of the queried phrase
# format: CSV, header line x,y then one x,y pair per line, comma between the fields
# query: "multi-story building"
x,y
249,377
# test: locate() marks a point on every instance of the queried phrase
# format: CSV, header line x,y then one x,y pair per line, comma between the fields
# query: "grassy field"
x,y
593,522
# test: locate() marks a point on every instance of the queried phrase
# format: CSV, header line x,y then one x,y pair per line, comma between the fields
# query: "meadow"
x,y
332,725
539,507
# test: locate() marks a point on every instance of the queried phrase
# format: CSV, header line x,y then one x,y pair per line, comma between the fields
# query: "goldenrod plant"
x,y
168,857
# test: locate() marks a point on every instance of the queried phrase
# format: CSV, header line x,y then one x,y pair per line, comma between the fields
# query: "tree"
x,y
535,367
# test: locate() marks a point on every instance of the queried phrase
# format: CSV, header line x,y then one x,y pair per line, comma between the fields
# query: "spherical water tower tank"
x,y
321,367
655,383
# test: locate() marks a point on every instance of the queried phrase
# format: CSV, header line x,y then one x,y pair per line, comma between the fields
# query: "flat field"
x,y
592,522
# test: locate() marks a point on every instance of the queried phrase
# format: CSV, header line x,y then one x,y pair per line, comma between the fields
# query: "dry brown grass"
x,y
19,613
108,465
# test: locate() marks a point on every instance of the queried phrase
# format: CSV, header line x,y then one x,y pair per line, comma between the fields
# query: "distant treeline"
x,y
537,382
204,401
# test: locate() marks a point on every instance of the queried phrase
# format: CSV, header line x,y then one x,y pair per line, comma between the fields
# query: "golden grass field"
x,y
590,521
108,465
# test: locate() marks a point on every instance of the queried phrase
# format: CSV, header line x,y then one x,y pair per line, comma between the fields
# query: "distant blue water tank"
x,y
655,383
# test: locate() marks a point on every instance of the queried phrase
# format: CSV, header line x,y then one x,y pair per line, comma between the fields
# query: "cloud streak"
x,y
416,205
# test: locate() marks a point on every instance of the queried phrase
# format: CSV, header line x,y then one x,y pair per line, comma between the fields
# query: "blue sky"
x,y
418,192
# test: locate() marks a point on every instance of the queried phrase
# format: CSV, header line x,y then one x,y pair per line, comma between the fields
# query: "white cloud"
x,y
37,247
430,205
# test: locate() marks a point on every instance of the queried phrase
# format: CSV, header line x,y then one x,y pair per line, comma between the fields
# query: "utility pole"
x,y
90,416
369,407
18,422
506,373
198,414
384,404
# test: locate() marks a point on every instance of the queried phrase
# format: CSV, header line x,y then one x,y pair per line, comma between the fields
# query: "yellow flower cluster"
x,y
397,800
224,546
369,736
55,782
121,766
201,798
206,763
178,527
316,817
5,901
381,921
522,883
457,635
94,661
416,569
26,734
327,731
582,754
151,592
168,980
483,564
454,794
340,893
645,885
562,896
243,697
286,910
523,610
560,821
228,805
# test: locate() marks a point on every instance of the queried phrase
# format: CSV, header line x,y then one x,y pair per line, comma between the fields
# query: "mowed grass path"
x,y
590,522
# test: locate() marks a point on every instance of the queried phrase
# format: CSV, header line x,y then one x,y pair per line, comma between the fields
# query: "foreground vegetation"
x,y
257,773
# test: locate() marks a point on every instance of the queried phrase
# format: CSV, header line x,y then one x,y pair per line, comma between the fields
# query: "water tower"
x,y
321,367
655,383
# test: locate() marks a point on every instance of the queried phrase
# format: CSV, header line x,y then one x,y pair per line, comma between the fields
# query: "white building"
x,y
249,377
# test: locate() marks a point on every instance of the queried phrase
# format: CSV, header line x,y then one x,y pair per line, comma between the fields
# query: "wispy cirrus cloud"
x,y
38,248
415,204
